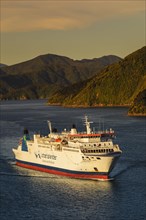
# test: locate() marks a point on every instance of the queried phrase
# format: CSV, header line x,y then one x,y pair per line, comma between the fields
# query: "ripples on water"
x,y
28,194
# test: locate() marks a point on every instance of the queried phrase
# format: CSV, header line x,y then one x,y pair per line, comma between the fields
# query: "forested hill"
x,y
45,74
118,84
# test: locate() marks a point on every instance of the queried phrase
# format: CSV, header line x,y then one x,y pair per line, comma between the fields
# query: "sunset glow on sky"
x,y
76,29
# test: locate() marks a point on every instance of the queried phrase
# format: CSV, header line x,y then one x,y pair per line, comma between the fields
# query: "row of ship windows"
x,y
89,158
90,136
98,151
98,145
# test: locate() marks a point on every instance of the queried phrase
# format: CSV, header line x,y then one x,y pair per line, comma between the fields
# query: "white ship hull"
x,y
78,158
66,163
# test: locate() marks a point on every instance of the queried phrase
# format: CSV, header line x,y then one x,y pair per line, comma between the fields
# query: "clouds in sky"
x,y
24,16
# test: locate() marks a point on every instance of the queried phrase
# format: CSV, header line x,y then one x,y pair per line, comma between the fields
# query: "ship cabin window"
x,y
94,145
98,158
107,150
92,151
102,151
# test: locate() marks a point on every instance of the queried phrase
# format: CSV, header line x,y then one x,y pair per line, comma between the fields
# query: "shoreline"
x,y
87,106
82,106
100,106
138,115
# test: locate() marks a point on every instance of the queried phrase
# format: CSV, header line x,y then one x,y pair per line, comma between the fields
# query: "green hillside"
x,y
118,84
45,74
139,105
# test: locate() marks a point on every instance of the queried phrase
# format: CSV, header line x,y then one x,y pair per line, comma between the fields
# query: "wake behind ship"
x,y
84,155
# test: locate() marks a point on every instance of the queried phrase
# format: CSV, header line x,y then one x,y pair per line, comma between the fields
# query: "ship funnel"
x,y
25,131
26,134
73,126
73,129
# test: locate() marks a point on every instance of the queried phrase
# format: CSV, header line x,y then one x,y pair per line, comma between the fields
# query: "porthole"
x,y
95,168
98,158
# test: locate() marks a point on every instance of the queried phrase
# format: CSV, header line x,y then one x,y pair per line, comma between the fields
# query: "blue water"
x,y
28,194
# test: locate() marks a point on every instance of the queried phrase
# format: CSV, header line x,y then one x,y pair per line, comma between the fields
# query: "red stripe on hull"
x,y
80,176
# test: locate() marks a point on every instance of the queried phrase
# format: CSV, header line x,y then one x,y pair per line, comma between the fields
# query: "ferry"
x,y
84,155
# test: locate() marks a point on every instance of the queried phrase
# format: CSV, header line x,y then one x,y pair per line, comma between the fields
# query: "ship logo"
x,y
46,156
38,155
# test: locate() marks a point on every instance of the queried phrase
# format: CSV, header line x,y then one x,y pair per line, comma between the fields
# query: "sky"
x,y
78,29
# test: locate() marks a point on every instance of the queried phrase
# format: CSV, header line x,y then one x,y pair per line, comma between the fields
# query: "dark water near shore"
x,y
28,194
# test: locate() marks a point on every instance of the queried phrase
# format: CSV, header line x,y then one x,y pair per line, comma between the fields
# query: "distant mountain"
x,y
122,83
45,74
2,65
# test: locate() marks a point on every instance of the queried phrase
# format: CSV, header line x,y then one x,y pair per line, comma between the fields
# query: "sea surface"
x,y
32,195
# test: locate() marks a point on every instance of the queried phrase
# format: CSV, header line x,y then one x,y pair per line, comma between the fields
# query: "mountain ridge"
x,y
117,85
42,76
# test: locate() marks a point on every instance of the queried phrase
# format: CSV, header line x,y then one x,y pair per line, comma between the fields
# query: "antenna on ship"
x,y
50,126
87,123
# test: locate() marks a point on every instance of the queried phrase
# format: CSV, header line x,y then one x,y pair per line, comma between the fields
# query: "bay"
x,y
28,194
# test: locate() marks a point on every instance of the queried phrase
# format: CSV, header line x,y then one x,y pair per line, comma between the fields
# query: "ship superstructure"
x,y
87,155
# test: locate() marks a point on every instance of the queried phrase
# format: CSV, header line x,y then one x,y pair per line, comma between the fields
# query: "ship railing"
x,y
95,151
104,144
106,131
